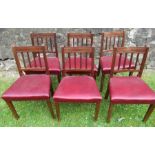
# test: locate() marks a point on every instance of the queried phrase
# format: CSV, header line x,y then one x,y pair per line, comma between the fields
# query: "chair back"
x,y
48,39
26,61
132,58
78,60
80,39
109,40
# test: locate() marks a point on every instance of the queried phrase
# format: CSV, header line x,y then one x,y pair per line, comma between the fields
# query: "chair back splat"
x,y
48,39
109,40
136,56
78,60
24,57
80,39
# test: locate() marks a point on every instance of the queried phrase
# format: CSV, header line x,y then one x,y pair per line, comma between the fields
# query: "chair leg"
x,y
107,92
130,73
109,113
149,112
95,75
59,77
102,81
50,108
52,92
57,111
97,110
13,110
99,68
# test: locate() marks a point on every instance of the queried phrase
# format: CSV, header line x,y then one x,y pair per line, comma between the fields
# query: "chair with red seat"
x,y
109,40
29,87
80,39
129,89
77,88
48,39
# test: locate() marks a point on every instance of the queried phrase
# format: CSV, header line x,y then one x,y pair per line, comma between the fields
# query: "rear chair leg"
x,y
50,108
95,75
107,92
97,110
98,72
57,111
131,73
13,110
59,77
109,113
149,112
102,81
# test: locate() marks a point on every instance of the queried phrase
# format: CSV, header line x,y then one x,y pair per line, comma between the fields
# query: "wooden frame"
x,y
107,45
35,50
83,68
79,39
47,39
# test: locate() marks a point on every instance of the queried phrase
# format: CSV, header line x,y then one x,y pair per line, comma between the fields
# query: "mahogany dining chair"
x,y
109,40
79,88
129,89
48,39
29,87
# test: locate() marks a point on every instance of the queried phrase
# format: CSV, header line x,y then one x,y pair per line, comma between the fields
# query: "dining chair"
x,y
32,86
48,39
109,40
81,39
79,88
129,89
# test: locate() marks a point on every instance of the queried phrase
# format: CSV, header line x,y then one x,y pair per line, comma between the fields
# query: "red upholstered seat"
x,y
83,64
106,62
29,87
77,88
53,64
130,90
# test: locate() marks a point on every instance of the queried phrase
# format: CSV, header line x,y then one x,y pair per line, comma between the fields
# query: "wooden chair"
x,y
109,40
29,87
129,89
81,39
77,89
48,39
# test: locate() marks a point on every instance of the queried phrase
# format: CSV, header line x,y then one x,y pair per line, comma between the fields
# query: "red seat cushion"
x,y
83,64
130,90
29,87
77,88
53,64
106,62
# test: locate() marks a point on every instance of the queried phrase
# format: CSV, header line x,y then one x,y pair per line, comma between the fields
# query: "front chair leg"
x,y
149,112
102,81
97,110
12,108
57,110
50,108
109,112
